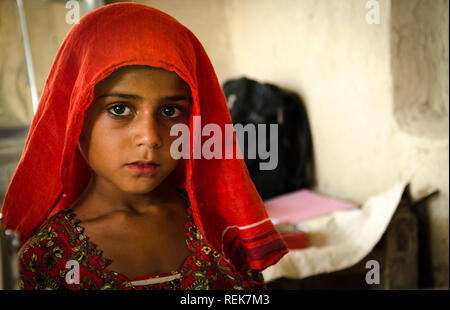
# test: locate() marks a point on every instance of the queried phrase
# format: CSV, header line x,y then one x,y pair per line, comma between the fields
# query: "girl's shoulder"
x,y
43,251
54,232
49,254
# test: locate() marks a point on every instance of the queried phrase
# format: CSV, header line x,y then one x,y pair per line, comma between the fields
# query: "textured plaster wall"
x,y
419,60
420,66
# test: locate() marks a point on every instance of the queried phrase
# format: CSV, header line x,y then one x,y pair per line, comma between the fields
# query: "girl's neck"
x,y
102,198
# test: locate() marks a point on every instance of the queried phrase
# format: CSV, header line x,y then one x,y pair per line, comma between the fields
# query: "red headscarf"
x,y
52,174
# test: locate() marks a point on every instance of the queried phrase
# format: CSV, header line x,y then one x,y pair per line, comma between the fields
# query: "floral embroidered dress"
x,y
52,258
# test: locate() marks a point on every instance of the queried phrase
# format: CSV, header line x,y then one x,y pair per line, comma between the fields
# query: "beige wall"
x,y
15,105
420,67
377,95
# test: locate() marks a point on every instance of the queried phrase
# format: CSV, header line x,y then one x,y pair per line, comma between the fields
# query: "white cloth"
x,y
339,240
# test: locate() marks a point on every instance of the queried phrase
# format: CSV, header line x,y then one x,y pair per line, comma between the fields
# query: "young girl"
x,y
98,199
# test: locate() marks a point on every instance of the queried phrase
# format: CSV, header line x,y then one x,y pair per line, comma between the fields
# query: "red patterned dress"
x,y
60,256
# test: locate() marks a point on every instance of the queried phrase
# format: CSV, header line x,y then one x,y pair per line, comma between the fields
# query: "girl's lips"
x,y
142,168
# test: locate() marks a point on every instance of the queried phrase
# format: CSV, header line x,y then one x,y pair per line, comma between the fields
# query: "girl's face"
x,y
129,121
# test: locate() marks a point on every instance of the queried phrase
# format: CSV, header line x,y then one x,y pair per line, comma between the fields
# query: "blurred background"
x,y
376,95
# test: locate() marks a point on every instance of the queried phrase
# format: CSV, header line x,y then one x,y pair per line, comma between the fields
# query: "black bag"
x,y
255,103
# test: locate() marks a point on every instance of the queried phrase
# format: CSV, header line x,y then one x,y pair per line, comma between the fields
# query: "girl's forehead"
x,y
149,71
143,77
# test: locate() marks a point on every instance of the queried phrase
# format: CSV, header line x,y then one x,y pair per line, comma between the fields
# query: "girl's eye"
x,y
171,112
119,110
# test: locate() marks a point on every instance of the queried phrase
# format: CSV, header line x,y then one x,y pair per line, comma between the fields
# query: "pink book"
x,y
303,205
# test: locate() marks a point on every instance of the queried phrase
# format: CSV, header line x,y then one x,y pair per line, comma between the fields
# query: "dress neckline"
x,y
104,262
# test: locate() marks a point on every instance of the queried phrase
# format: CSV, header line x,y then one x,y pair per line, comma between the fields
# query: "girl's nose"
x,y
147,133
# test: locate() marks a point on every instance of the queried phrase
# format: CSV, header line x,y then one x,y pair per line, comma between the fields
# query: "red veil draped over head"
x,y
52,174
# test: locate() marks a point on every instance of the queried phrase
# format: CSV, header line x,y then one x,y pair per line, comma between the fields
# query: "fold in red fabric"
x,y
52,174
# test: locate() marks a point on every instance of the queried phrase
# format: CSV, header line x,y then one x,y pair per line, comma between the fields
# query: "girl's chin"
x,y
140,189
142,185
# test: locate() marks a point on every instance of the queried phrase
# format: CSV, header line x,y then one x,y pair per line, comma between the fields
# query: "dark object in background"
x,y
251,102
9,245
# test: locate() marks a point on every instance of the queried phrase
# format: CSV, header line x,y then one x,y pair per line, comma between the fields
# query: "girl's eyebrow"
x,y
137,97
